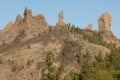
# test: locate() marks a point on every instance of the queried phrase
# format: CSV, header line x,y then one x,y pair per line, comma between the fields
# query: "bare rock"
x,y
40,19
31,21
28,27
27,14
104,22
8,27
28,18
18,20
89,27
61,19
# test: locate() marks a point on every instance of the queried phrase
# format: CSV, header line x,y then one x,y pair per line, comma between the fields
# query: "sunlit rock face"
x,y
60,19
104,22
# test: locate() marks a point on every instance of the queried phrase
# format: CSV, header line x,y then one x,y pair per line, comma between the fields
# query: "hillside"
x,y
30,49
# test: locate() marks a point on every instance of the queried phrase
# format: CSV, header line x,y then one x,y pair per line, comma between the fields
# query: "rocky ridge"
x,y
25,43
27,26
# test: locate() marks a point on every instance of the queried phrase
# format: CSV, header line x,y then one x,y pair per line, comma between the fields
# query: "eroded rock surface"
x,y
104,22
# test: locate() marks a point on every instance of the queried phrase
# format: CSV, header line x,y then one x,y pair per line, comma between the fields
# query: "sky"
x,y
78,12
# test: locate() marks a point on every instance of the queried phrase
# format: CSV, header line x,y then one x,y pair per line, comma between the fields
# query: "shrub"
x,y
14,69
49,58
0,60
29,46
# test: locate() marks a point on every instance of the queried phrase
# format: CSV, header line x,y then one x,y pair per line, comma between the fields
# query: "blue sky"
x,y
78,12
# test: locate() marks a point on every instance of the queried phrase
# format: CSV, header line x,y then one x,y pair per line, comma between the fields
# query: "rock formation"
x,y
18,20
89,27
29,24
104,22
28,18
8,26
37,21
40,19
27,14
61,19
25,52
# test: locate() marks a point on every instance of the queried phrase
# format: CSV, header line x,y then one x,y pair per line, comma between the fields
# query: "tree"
x,y
53,73
99,57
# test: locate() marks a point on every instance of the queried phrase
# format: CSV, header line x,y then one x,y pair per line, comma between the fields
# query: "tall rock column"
x,y
60,19
104,22
28,18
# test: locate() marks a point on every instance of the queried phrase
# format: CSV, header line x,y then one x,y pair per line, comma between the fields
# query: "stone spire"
x,y
60,19
104,22
18,20
28,18
27,13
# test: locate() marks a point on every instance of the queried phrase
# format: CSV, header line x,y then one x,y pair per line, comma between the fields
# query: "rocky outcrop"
x,y
28,24
40,19
27,14
104,22
18,20
8,27
28,18
89,27
60,19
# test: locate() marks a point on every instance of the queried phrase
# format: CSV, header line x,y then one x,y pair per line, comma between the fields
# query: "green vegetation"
x,y
94,37
14,69
51,72
29,46
69,47
71,76
1,60
98,69
107,69
99,57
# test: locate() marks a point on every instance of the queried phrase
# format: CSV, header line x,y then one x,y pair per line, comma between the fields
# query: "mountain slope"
x,y
32,50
